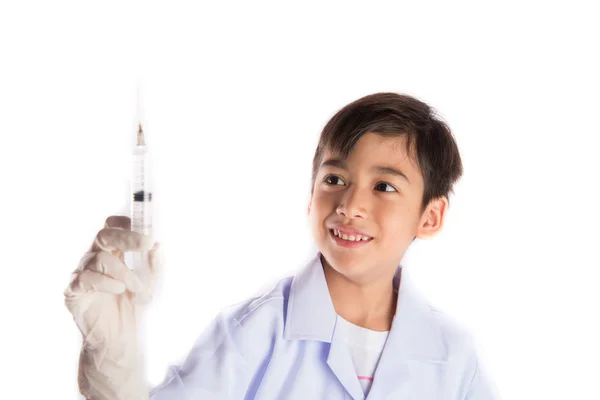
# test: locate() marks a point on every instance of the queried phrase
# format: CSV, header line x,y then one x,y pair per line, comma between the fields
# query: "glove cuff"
x,y
112,374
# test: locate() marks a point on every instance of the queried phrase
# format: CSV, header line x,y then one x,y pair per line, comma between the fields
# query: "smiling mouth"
x,y
349,240
353,238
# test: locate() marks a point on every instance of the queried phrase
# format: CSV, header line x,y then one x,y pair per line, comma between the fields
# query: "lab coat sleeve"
x,y
214,368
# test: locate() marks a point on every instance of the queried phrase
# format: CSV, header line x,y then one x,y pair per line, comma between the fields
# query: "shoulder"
x,y
465,358
460,347
268,305
458,339
453,330
255,324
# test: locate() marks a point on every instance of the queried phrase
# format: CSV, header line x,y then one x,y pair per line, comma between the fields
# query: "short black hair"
x,y
396,115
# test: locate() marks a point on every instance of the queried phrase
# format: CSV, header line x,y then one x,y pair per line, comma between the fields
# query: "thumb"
x,y
150,275
155,262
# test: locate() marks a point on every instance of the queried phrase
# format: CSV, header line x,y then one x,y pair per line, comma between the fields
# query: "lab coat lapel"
x,y
414,336
311,316
340,362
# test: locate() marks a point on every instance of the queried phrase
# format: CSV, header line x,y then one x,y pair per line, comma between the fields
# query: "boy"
x,y
350,325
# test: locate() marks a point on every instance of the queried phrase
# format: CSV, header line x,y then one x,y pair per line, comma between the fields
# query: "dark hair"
x,y
396,115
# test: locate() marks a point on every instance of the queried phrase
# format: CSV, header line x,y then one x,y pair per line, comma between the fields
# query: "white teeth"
x,y
351,238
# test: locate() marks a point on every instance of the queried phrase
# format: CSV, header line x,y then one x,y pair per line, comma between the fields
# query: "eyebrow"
x,y
384,170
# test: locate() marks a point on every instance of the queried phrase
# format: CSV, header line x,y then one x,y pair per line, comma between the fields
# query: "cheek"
x,y
321,203
320,209
396,224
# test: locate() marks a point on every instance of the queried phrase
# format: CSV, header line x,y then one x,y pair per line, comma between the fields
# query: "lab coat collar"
x,y
415,334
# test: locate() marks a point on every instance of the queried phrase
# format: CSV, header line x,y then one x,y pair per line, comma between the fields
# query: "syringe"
x,y
141,198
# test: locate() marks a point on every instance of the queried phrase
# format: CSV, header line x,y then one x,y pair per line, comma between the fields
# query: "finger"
x,y
118,221
155,259
149,274
119,254
105,263
115,239
85,259
90,281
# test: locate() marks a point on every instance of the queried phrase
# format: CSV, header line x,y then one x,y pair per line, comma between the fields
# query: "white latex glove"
x,y
102,299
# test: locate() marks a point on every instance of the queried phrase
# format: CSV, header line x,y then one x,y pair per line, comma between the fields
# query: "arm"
x,y
213,369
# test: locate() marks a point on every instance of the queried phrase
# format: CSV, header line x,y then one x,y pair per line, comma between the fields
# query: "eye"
x,y
331,179
383,184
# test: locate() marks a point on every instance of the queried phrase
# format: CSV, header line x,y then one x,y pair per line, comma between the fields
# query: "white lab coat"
x,y
285,345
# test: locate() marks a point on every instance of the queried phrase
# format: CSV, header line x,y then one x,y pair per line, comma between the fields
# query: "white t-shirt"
x,y
365,346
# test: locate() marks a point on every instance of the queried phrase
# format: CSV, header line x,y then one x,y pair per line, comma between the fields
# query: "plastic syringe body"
x,y
141,198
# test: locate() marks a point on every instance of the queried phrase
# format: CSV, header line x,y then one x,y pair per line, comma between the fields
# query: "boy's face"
x,y
356,194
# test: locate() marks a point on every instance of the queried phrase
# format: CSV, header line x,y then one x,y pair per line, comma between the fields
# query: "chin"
x,y
345,264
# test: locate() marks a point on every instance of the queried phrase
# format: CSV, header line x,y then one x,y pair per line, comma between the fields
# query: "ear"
x,y
309,204
432,220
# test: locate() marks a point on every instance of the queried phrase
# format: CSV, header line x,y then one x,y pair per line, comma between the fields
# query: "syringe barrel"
x,y
141,200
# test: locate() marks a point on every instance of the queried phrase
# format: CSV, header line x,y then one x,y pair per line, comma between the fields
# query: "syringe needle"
x,y
140,117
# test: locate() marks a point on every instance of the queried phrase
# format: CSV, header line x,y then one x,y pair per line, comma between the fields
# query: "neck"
x,y
371,304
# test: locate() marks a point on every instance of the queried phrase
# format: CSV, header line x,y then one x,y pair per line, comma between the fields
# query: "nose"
x,y
352,204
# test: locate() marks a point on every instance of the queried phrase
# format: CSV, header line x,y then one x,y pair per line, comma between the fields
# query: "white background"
x,y
235,96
